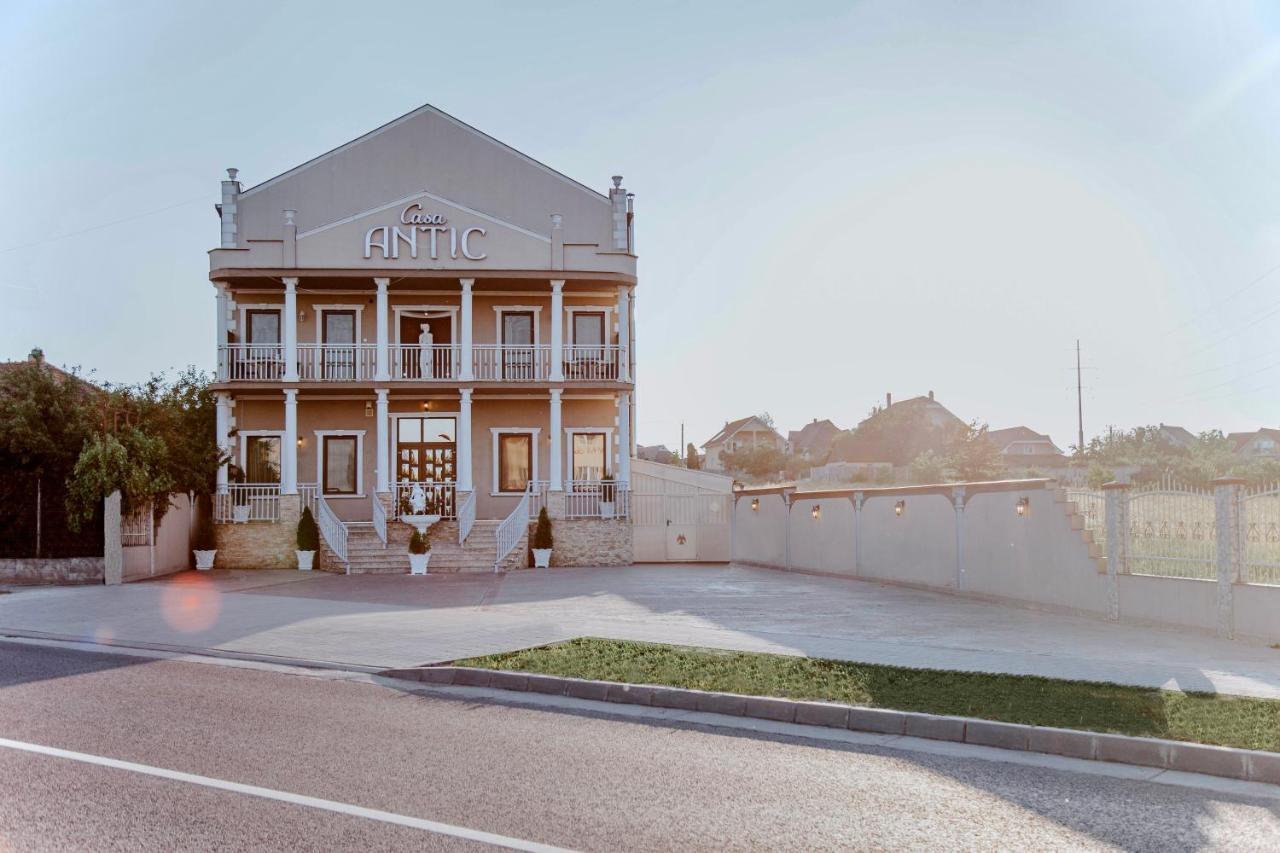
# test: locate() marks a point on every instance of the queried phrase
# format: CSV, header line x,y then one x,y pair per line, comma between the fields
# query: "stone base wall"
x,y
261,544
51,571
591,542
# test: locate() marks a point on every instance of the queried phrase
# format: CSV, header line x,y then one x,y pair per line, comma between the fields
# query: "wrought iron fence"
x,y
1092,505
1260,517
1172,531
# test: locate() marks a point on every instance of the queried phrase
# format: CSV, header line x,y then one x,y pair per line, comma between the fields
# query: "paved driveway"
x,y
397,620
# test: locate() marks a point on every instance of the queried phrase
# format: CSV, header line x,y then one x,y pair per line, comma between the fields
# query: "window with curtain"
x,y
515,461
262,459
589,449
339,464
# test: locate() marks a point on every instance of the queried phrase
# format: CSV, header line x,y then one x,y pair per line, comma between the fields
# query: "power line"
x,y
102,225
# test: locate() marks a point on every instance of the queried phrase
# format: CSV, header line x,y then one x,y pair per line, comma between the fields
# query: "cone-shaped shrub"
x,y
308,531
542,533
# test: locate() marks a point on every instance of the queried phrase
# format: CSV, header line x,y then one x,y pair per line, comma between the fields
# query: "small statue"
x,y
418,499
426,355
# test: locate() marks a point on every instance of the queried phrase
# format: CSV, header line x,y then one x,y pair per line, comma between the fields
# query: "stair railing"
x,y
466,517
513,528
379,519
333,531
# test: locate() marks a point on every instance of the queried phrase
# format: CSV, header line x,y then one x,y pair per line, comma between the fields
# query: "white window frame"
x,y
242,327
499,310
245,434
494,433
356,307
609,330
610,451
321,435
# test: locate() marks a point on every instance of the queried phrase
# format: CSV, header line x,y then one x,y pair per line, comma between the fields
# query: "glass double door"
x,y
426,453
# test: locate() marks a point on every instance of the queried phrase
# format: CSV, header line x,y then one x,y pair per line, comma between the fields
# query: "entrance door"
x,y
339,336
517,345
426,450
413,363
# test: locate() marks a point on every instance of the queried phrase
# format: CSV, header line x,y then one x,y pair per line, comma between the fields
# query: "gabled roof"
x,y
732,427
813,435
1178,435
1243,438
1004,438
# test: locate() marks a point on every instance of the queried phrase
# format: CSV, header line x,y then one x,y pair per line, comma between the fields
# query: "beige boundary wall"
x,y
171,551
968,539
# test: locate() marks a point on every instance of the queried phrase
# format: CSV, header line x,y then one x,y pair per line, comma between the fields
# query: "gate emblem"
x,y
680,540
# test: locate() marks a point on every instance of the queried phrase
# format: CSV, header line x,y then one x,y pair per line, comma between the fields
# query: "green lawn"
x,y
1198,717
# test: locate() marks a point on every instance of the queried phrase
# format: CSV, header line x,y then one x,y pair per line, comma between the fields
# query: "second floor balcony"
x,y
255,362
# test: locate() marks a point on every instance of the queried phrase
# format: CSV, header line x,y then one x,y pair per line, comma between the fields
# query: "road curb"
x,y
1228,762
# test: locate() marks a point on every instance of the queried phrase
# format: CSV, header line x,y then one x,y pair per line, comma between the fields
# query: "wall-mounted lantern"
x,y
426,405
301,441
900,507
368,408
755,504
816,512
1023,507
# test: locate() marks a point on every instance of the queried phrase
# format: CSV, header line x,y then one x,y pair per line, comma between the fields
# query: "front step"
x,y
367,555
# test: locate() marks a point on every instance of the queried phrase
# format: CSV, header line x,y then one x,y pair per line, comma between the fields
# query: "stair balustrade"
x,y
513,528
466,517
333,531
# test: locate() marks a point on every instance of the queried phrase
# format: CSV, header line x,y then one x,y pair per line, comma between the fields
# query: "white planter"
x,y
305,559
418,563
240,514
541,558
204,559
606,509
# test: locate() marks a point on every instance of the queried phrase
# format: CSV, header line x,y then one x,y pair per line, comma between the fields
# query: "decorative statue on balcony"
x,y
418,499
426,366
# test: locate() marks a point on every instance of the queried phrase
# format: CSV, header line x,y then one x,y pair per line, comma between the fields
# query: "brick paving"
x,y
396,620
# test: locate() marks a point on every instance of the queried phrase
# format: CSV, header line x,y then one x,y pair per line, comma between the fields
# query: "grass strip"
x,y
1210,718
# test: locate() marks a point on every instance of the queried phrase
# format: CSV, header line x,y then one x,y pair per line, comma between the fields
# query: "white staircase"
x,y
366,554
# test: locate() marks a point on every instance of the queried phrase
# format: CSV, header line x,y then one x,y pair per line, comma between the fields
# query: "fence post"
x,y
957,498
1116,497
857,532
112,550
1227,511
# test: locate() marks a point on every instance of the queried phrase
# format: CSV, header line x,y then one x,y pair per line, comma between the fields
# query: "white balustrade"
x,y
511,363
333,530
592,363
250,362
597,499
423,364
441,498
512,529
379,516
243,502
537,496
466,517
307,494
337,362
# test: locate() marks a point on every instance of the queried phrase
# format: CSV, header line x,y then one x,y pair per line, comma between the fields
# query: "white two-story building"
x,y
424,305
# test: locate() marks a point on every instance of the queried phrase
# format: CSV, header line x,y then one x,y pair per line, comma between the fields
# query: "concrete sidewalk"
x,y
397,621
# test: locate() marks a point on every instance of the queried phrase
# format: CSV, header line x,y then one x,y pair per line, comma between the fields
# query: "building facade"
x,y
742,434
423,313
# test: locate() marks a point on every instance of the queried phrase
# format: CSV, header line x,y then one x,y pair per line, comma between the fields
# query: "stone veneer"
x,y
261,544
590,542
52,570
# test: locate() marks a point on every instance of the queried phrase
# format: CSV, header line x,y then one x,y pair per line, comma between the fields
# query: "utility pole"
x,y
1079,403
680,452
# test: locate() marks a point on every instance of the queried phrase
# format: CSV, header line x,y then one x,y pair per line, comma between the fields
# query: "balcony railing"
x,y
423,364
441,498
242,502
412,363
597,499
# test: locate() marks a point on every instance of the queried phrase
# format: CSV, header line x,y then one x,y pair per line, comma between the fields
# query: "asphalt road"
x,y
537,776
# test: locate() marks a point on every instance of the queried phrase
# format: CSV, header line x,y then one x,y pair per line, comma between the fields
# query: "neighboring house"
x,y
1176,436
813,441
739,435
1262,444
1023,447
898,433
656,453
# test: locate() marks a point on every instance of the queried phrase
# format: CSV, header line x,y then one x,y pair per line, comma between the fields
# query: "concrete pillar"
x,y
382,371
468,362
112,549
289,247
289,453
557,331
222,426
290,330
858,498
624,438
230,221
556,476
1116,497
624,333
224,309
957,499
465,479
382,464
1228,498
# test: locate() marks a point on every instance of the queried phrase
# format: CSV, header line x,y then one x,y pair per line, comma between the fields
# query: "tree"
x,y
928,468
691,460
971,456
760,461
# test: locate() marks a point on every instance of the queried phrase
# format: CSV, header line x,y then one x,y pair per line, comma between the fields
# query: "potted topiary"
x,y
542,541
608,492
308,540
204,544
419,552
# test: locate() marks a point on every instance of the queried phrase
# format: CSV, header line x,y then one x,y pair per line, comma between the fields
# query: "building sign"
x,y
429,233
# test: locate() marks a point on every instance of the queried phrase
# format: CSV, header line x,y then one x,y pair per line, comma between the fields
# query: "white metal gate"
x,y
680,515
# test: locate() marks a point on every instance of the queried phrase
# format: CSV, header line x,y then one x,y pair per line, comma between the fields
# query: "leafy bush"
x,y
542,532
204,539
419,543
308,531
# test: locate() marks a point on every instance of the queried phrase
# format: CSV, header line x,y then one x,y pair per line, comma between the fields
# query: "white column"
x,y
381,465
957,498
624,438
464,441
222,425
624,334
557,331
224,358
556,481
289,453
290,331
467,363
382,371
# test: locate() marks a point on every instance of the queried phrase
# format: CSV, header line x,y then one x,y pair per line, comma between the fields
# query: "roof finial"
x,y
617,181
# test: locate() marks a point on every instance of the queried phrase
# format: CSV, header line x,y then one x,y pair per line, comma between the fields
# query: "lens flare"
x,y
190,603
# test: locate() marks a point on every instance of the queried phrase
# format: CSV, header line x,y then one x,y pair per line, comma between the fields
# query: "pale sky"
x,y
833,201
